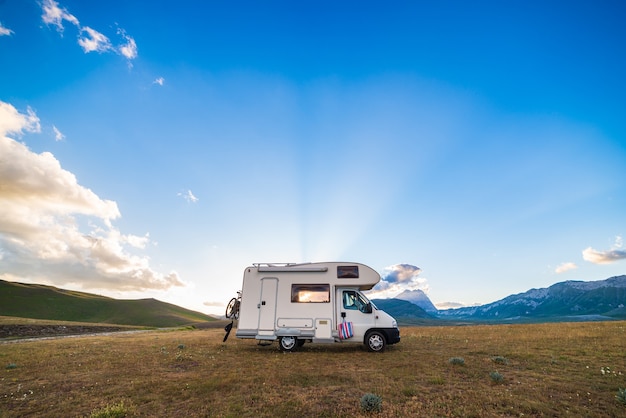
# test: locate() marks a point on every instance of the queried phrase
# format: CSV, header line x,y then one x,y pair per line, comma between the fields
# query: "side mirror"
x,y
367,308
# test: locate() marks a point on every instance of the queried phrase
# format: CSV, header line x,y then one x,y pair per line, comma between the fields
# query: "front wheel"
x,y
375,341
287,343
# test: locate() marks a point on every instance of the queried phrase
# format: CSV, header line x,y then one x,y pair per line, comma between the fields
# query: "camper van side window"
x,y
356,301
310,293
349,300
347,272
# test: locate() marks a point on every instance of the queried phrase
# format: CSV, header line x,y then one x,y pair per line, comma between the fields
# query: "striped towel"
x,y
345,330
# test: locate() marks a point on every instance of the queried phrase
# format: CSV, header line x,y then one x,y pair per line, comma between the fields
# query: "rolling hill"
x,y
405,312
51,303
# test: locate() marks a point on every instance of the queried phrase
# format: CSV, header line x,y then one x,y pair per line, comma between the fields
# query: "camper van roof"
x,y
278,267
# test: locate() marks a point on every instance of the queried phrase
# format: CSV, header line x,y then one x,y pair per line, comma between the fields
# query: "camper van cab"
x,y
313,302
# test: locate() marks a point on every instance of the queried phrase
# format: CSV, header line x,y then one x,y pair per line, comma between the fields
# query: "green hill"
x,y
404,312
50,303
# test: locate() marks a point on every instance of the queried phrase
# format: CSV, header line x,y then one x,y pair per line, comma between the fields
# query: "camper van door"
x,y
354,307
267,304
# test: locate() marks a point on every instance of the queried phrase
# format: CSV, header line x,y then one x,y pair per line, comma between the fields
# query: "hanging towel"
x,y
345,330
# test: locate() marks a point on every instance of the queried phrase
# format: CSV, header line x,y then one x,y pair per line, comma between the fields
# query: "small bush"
x,y
11,366
460,361
181,346
371,403
409,392
496,377
500,360
621,396
118,410
437,380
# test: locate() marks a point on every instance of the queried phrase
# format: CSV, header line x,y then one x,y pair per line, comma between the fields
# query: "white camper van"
x,y
313,302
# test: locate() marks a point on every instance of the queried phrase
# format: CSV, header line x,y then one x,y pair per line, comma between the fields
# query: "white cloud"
x,y
452,305
606,257
188,196
603,257
213,304
54,230
58,135
53,14
129,49
398,278
4,31
13,122
160,81
91,40
563,267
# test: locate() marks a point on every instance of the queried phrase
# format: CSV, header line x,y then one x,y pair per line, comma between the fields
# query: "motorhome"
x,y
313,302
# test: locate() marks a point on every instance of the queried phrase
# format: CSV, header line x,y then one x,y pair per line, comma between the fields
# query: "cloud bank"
x,y
53,230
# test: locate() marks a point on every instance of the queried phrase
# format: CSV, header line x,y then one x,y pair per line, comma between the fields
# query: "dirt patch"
x,y
14,331
220,323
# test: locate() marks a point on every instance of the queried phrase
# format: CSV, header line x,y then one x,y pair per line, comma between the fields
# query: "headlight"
x,y
394,323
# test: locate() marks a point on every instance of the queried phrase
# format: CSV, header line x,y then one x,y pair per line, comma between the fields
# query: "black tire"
x,y
236,311
287,343
375,342
232,309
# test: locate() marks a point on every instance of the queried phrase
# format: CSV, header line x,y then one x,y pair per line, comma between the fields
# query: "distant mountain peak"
x,y
419,298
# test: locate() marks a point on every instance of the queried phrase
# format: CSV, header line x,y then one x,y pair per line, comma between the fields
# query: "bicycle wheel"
x,y
232,309
236,309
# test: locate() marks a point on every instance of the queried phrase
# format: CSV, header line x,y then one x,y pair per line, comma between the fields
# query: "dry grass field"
x,y
561,369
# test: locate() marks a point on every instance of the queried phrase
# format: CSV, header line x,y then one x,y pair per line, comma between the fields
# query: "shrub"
x,y
621,396
496,377
457,360
11,366
437,380
118,410
409,392
500,360
371,403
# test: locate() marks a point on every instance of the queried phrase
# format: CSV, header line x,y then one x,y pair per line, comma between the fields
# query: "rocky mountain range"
x,y
570,300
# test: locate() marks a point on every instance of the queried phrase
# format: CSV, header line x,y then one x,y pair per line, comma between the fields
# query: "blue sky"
x,y
469,149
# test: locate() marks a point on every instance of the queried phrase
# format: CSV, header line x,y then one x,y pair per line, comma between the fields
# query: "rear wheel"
x,y
375,341
287,343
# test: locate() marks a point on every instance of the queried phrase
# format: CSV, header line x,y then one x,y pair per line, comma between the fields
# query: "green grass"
x,y
50,303
550,370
